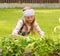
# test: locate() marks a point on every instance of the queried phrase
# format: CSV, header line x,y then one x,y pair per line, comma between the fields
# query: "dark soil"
x,y
55,53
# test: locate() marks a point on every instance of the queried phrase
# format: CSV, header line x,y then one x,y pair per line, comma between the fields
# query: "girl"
x,y
27,24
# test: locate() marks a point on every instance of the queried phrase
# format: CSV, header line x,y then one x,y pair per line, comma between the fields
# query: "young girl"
x,y
27,24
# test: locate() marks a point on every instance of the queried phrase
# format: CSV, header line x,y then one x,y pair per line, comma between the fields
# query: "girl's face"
x,y
29,19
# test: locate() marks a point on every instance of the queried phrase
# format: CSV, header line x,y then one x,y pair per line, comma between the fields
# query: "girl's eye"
x,y
30,17
27,17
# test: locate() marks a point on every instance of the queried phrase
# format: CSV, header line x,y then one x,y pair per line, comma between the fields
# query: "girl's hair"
x,y
32,24
27,7
32,27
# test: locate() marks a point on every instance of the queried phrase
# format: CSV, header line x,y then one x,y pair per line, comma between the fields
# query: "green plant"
x,y
13,47
17,46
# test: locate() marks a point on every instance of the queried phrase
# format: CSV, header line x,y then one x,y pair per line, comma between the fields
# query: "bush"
x,y
46,47
17,46
13,47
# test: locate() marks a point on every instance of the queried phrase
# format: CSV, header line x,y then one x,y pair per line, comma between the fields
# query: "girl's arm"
x,y
17,28
36,26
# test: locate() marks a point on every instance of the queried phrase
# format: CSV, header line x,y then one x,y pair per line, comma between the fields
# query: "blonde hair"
x,y
27,7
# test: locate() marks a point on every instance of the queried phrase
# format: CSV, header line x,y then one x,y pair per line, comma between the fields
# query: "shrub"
x,y
17,46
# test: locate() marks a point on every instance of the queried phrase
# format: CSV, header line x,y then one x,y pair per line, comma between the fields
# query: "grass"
x,y
46,18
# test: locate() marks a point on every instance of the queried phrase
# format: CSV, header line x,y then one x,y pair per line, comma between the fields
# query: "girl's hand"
x,y
42,33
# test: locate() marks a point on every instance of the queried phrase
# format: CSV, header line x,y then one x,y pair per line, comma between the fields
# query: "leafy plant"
x,y
13,47
18,46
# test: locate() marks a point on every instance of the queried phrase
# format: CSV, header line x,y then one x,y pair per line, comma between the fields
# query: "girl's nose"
x,y
30,18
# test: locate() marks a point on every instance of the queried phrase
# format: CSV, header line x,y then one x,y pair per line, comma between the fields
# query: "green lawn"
x,y
46,18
